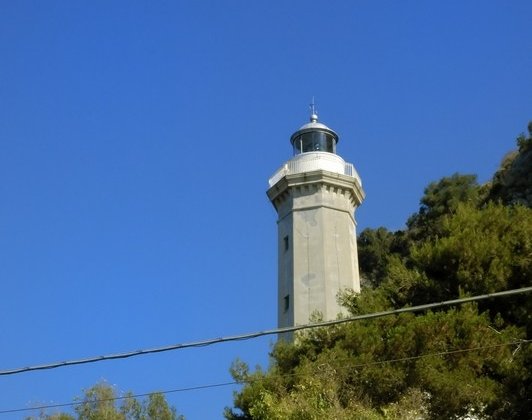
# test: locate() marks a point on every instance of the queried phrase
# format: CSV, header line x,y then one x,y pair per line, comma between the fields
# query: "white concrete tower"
x,y
315,195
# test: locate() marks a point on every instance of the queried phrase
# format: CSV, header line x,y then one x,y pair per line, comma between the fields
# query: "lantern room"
x,y
314,137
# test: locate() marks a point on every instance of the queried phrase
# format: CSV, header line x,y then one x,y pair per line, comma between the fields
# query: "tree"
x,y
374,247
477,251
101,402
512,183
442,198
444,364
472,361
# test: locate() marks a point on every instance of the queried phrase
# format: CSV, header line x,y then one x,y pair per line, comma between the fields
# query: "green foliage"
x,y
479,251
101,402
374,246
98,403
472,361
437,365
58,416
157,408
441,199
512,183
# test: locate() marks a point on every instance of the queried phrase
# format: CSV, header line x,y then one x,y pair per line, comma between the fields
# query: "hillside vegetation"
x,y
469,361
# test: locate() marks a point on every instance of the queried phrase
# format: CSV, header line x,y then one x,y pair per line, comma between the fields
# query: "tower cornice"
x,y
310,182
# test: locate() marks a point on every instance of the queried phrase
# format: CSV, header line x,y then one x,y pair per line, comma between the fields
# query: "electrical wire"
x,y
253,380
124,397
248,336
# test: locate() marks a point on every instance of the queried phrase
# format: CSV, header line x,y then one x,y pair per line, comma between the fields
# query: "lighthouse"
x,y
315,195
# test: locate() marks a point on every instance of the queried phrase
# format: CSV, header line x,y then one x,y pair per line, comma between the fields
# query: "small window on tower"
x,y
286,303
286,241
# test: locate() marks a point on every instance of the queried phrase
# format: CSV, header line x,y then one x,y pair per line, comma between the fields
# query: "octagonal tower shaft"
x,y
315,195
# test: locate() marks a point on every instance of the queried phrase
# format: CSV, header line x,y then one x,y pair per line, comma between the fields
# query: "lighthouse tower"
x,y
315,195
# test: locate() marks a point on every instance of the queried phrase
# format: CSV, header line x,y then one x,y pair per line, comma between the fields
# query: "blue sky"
x,y
137,139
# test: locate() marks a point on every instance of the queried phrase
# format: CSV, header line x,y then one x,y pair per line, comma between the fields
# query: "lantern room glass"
x,y
314,141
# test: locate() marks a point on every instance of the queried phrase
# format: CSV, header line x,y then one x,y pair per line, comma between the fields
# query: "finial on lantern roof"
x,y
313,111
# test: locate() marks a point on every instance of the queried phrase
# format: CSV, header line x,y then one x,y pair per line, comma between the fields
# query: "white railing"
x,y
312,161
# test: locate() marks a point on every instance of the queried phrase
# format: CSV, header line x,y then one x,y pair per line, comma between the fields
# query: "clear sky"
x,y
137,139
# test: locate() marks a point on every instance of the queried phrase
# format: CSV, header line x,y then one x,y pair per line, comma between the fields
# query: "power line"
x,y
249,336
125,397
253,380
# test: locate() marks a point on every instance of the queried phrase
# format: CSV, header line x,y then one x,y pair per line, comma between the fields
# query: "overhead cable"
x,y
253,380
252,335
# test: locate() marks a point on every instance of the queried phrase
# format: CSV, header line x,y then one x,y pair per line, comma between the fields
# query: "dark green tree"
x,y
512,183
374,248
441,199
